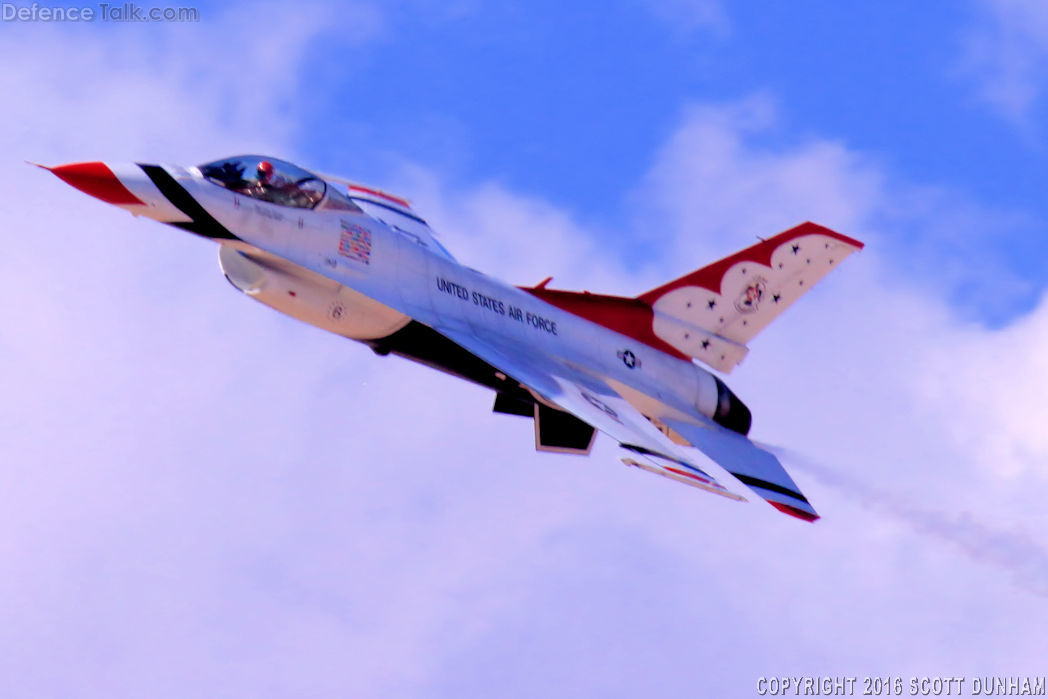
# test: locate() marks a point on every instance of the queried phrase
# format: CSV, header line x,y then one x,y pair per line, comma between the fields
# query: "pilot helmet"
x,y
265,170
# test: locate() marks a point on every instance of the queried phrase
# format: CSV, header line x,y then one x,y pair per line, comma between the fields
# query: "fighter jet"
x,y
362,263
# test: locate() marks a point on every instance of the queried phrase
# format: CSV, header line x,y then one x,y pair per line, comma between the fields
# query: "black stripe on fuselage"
x,y
766,485
203,223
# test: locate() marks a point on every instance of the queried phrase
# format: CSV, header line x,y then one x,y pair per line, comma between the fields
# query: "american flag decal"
x,y
355,243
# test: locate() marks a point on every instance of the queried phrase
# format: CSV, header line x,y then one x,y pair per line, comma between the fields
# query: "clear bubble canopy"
x,y
268,179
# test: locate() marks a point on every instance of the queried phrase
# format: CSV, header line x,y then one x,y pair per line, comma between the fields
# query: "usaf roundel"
x,y
629,359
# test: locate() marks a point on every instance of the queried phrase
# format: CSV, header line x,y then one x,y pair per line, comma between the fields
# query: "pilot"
x,y
269,186
265,173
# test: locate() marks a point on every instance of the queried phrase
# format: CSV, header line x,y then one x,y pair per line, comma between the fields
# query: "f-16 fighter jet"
x,y
364,264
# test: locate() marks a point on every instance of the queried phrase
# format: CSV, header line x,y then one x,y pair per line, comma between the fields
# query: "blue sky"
x,y
199,496
547,93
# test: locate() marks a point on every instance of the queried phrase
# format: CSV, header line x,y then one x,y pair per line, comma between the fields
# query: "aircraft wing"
x,y
593,401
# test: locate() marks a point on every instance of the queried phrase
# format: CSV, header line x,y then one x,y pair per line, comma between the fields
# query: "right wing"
x,y
593,401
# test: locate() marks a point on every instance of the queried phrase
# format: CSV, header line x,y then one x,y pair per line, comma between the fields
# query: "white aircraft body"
x,y
362,263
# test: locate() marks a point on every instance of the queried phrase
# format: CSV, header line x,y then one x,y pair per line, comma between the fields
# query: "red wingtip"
x,y
793,511
96,179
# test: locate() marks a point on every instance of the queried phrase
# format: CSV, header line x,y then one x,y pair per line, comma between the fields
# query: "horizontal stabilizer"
x,y
756,468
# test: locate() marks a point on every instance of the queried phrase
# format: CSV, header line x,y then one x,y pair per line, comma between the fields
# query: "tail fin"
x,y
713,312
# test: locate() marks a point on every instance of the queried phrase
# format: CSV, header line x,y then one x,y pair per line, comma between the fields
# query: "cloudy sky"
x,y
200,497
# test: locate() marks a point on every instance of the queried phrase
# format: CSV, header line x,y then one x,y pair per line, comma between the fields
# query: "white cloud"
x,y
145,91
518,238
989,380
1006,50
203,497
709,187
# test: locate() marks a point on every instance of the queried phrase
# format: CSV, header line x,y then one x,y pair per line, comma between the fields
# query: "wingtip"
x,y
794,511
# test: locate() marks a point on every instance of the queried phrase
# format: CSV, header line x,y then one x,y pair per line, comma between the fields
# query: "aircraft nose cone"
x,y
98,180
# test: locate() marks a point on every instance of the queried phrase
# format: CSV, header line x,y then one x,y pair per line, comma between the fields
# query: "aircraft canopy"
x,y
268,179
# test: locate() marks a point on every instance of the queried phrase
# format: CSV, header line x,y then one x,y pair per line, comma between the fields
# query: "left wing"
x,y
593,401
